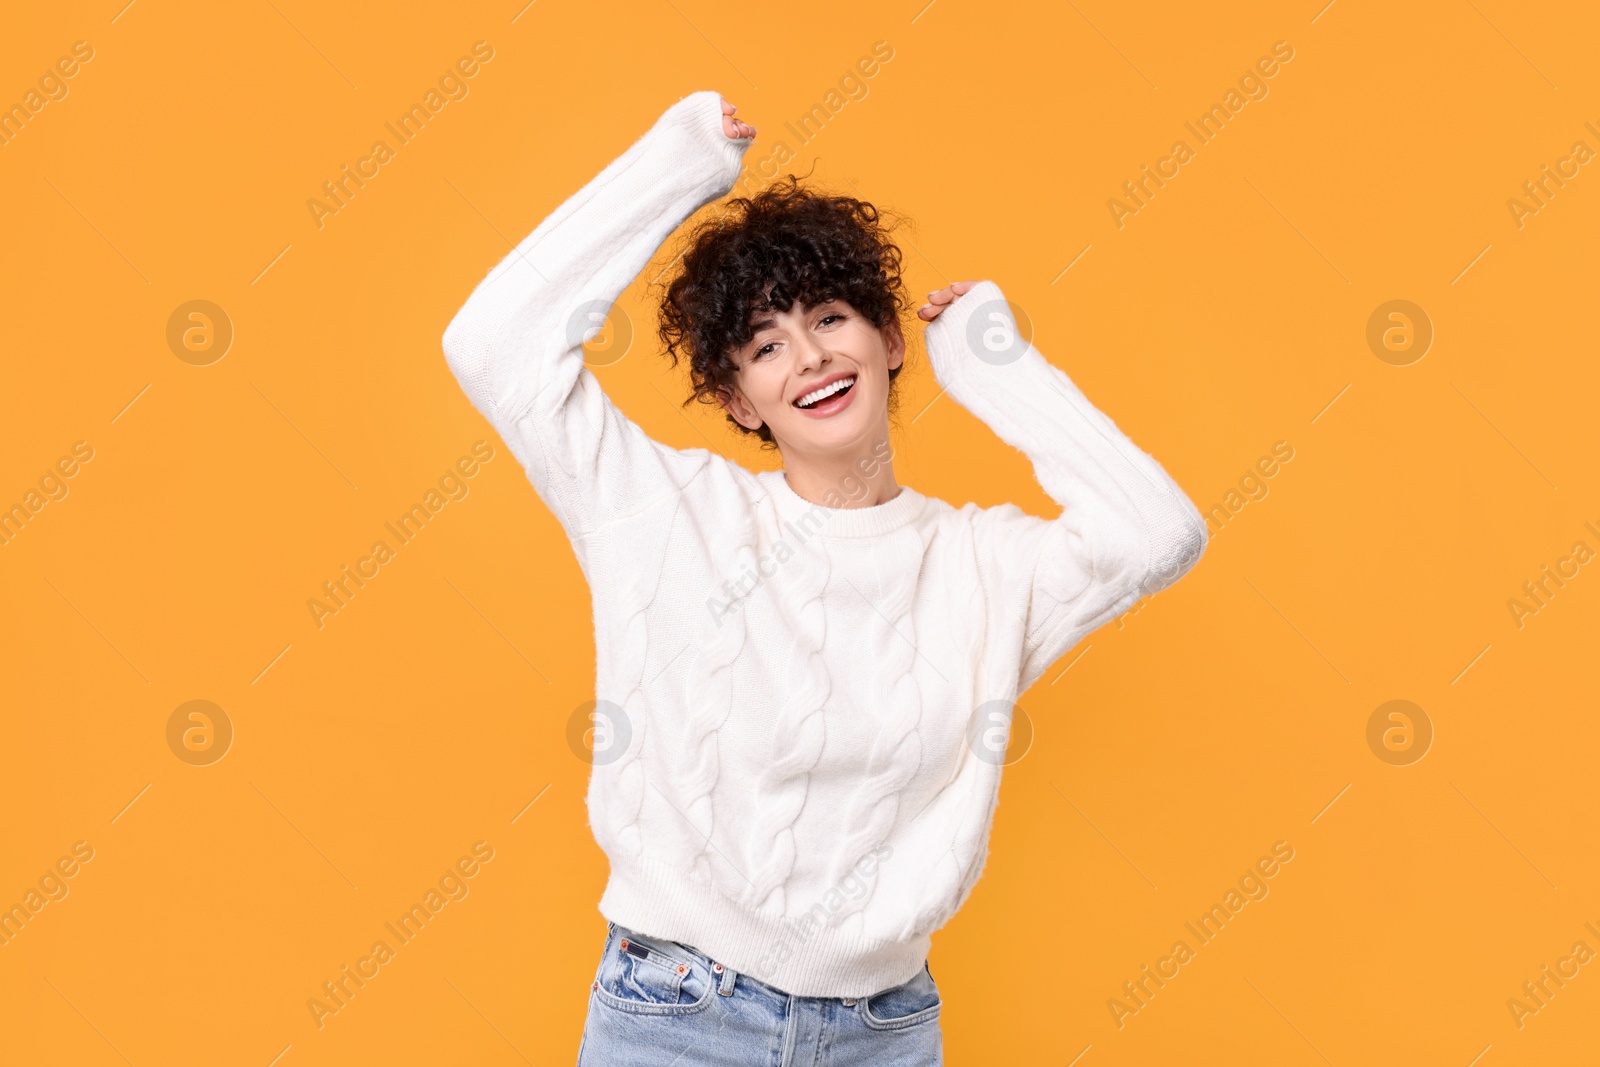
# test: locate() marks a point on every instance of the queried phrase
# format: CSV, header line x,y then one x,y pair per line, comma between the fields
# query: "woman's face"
x,y
796,352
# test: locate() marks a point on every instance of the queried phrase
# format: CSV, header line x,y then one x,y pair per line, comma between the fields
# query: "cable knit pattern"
x,y
952,876
897,752
620,804
799,732
711,701
821,730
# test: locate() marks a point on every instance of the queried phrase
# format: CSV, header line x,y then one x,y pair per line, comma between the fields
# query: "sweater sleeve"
x,y
1126,529
516,344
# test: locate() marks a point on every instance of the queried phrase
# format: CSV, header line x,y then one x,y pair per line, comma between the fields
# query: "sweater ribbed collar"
x,y
816,519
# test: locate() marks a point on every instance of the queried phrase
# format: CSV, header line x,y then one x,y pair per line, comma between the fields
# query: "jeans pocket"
x,y
647,976
909,1004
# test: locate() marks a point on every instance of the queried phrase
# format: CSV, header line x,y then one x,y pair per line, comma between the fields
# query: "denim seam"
x,y
640,1007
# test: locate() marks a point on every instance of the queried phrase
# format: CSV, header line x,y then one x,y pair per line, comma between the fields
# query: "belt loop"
x,y
726,988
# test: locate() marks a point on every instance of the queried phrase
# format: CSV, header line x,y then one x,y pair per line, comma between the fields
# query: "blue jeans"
x,y
667,1004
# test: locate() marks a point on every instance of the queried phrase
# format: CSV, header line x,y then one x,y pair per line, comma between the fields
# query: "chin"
x,y
840,432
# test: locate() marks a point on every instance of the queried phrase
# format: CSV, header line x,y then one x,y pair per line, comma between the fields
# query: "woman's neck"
x,y
860,482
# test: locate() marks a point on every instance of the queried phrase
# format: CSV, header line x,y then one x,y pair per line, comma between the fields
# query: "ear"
x,y
896,342
734,402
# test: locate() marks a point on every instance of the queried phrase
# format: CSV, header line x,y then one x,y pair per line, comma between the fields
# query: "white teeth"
x,y
823,393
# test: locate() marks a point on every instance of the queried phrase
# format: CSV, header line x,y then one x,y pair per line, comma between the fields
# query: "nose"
x,y
809,353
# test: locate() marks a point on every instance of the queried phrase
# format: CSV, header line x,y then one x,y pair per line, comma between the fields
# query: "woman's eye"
x,y
762,350
830,315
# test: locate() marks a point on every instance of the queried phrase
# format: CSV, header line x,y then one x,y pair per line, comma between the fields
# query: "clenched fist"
x,y
732,126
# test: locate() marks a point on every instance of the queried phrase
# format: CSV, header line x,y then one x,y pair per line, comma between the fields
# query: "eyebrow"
x,y
769,321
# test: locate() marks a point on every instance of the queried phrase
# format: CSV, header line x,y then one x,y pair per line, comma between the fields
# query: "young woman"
x,y
804,676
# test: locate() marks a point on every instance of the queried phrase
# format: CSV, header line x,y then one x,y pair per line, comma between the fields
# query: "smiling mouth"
x,y
817,396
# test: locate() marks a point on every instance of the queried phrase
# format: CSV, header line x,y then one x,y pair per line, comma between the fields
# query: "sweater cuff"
x,y
700,116
976,328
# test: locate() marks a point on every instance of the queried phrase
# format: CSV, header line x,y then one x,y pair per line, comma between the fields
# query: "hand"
x,y
941,299
732,126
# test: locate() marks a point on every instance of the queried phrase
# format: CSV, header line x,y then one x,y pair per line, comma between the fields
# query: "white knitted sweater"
x,y
805,708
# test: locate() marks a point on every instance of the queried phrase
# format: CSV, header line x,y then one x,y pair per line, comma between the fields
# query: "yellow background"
x,y
1224,715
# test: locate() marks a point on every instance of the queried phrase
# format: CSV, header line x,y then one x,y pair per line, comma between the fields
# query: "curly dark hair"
x,y
808,246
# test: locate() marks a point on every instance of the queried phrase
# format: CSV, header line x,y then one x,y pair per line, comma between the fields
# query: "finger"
x,y
727,108
941,297
961,287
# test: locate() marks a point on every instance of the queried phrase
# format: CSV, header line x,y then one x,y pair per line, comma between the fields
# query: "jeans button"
x,y
849,1001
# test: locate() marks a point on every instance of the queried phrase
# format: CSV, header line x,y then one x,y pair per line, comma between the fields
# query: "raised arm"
x,y
1126,529
516,346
